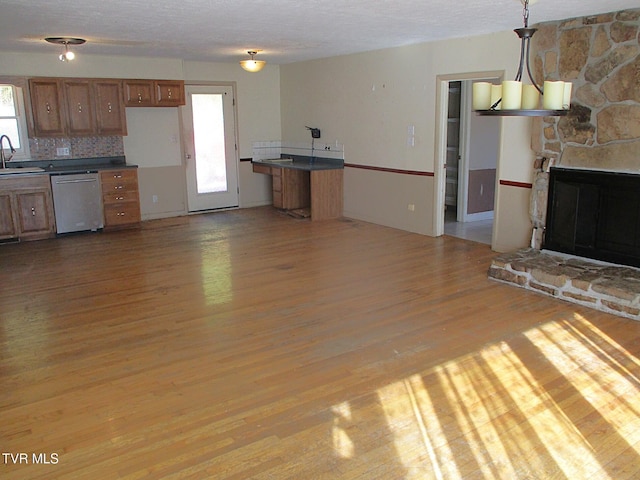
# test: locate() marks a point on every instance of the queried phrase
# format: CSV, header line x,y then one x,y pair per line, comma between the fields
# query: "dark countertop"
x,y
302,163
73,165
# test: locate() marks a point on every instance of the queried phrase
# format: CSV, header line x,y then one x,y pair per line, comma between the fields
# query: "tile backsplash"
x,y
275,148
46,148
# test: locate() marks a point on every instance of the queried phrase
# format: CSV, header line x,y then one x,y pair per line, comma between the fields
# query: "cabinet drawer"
x,y
121,214
117,181
119,186
266,169
115,196
118,176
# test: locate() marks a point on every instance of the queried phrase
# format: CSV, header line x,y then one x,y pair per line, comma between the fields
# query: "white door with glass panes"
x,y
210,148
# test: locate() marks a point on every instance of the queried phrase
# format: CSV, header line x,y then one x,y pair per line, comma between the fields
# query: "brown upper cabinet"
x,y
154,93
81,120
110,115
49,118
169,93
76,107
138,93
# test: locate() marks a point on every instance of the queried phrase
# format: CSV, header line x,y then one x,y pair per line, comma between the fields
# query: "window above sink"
x,y
12,120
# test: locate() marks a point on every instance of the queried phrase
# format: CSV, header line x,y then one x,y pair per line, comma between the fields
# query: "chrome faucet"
x,y
11,149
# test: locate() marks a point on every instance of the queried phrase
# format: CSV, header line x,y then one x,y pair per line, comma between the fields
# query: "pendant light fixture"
x,y
513,98
68,55
251,64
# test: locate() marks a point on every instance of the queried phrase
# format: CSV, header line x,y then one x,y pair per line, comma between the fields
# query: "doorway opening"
x,y
469,148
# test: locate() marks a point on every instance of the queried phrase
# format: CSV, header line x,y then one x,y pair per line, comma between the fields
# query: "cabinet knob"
x,y
48,107
117,176
33,211
119,198
79,108
139,98
119,187
169,92
109,107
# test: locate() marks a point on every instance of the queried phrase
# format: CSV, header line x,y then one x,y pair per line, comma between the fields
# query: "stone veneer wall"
x,y
600,55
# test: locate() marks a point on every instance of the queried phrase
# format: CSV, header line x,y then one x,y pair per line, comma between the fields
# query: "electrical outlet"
x,y
155,199
62,152
411,207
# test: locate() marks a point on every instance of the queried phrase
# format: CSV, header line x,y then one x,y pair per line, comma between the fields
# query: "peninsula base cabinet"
x,y
319,190
26,208
120,198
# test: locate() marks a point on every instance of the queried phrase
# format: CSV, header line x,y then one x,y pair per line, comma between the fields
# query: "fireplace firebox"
x,y
594,214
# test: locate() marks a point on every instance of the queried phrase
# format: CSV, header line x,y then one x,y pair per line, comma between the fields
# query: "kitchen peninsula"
x,y
302,182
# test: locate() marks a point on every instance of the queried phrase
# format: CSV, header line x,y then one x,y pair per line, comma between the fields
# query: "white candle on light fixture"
x,y
496,94
566,96
530,97
553,95
511,95
481,95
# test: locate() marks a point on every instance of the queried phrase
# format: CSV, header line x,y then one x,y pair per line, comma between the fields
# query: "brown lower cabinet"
x,y
290,187
120,198
26,208
319,190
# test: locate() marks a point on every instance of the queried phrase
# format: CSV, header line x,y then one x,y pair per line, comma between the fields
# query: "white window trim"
x,y
22,153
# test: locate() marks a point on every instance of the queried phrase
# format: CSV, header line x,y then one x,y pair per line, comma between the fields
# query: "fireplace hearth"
x,y
594,214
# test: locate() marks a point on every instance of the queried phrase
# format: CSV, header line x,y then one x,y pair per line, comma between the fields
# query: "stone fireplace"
x,y
600,55
594,214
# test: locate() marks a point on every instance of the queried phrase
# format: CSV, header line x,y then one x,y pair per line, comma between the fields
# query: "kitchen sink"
x,y
8,171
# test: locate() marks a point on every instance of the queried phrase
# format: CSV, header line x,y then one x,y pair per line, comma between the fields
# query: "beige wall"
x,y
368,101
154,139
512,228
365,101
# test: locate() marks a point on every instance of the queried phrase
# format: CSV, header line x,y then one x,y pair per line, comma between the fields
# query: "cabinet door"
x,y
7,223
110,116
169,93
79,107
138,93
49,118
34,213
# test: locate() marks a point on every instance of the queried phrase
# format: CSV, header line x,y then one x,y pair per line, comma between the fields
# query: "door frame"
x,y
183,154
440,158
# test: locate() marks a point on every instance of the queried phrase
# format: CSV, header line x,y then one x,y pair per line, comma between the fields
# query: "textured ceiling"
x,y
284,31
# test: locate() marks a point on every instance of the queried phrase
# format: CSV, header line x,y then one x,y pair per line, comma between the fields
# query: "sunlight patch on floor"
x,y
597,368
488,415
342,443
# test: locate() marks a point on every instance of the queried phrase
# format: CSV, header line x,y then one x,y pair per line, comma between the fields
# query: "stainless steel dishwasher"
x,y
77,202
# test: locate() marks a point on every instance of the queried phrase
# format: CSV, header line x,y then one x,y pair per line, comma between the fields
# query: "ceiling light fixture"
x,y
252,65
68,55
512,98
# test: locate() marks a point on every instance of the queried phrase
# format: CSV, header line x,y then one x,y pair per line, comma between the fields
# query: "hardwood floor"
x,y
250,345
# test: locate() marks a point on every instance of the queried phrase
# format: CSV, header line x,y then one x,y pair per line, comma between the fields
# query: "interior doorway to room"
x,y
210,147
470,154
